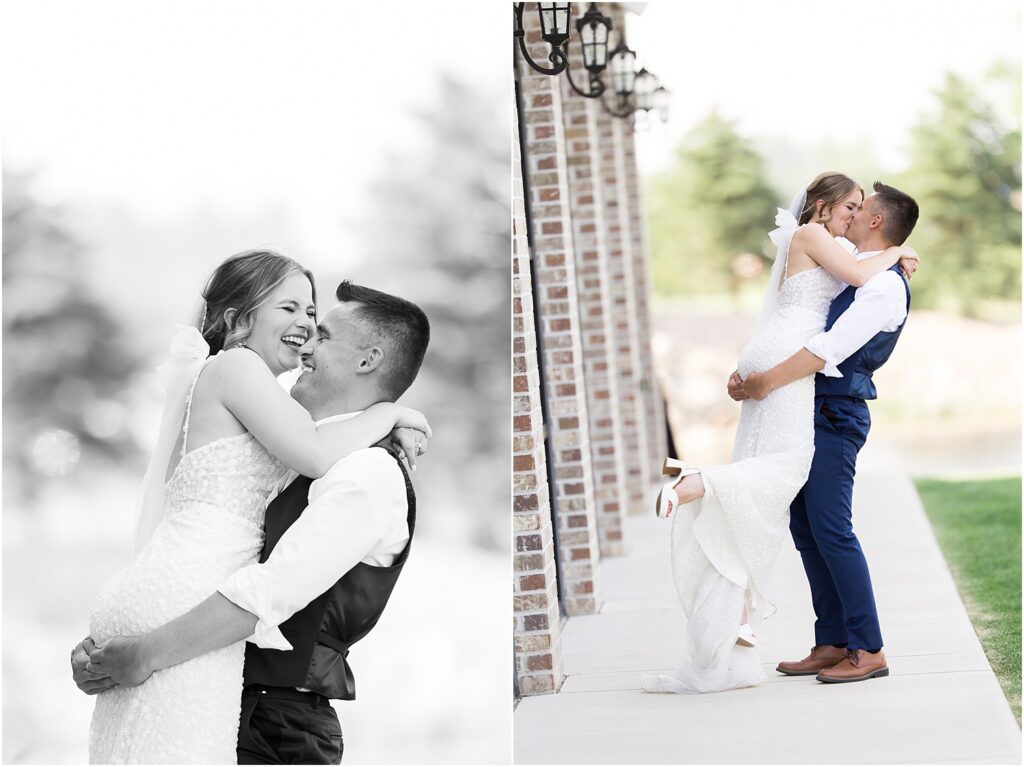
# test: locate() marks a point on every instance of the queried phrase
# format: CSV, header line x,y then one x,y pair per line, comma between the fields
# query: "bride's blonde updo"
x,y
243,283
830,187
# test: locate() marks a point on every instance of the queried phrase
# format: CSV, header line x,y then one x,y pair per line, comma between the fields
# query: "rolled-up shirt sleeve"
x,y
350,511
879,305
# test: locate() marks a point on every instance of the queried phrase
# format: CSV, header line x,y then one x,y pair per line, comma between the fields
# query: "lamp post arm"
x,y
597,87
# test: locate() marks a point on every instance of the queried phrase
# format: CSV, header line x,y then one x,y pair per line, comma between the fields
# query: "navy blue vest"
x,y
858,368
322,632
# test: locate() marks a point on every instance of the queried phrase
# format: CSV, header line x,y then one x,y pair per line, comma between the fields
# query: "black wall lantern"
x,y
633,90
594,28
643,87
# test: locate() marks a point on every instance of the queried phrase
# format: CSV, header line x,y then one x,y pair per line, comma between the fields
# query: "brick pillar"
x,y
592,278
538,645
623,306
653,406
558,308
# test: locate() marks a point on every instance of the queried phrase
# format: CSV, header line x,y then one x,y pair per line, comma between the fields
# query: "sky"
x,y
812,72
249,108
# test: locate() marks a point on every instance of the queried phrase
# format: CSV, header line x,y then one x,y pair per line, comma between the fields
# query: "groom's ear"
x,y
372,359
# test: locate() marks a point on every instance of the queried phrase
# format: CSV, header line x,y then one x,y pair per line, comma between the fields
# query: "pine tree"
x,y
714,205
965,173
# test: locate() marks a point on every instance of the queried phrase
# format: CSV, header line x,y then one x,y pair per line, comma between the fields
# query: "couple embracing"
x,y
839,315
282,519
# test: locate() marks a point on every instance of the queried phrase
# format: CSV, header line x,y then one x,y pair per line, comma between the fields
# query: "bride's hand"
x,y
410,443
909,263
123,660
408,418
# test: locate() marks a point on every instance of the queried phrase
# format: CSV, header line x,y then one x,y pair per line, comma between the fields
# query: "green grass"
x,y
977,524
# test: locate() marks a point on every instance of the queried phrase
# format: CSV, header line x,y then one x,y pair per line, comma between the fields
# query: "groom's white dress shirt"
x,y
357,512
879,305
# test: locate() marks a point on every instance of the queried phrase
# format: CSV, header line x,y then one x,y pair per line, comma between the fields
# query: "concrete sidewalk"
x,y
941,703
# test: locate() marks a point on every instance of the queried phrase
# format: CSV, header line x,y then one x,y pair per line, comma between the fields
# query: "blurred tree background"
x,y
965,172
710,214
438,230
66,365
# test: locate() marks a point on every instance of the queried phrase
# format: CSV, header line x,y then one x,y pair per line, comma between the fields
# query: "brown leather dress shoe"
x,y
822,656
857,666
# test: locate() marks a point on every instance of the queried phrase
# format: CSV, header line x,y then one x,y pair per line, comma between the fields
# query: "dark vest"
x,y
322,632
858,368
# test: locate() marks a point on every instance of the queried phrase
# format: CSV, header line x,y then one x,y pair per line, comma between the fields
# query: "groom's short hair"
x,y
899,212
399,326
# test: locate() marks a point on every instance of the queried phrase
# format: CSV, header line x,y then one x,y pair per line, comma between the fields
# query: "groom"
x,y
861,332
334,549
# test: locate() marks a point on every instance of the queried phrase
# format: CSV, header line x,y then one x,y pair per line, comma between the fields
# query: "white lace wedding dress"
x,y
725,544
212,525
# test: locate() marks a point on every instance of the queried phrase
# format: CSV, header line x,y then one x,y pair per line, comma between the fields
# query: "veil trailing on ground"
x,y
787,222
188,353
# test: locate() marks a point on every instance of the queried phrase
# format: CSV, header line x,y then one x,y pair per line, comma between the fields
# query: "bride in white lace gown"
x,y
229,434
728,521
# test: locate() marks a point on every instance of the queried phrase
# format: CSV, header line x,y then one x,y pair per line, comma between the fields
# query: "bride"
x,y
229,434
728,521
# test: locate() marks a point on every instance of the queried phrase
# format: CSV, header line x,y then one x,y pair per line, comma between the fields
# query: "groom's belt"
x,y
287,693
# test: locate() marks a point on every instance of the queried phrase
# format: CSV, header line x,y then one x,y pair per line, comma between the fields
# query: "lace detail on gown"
x,y
212,526
725,544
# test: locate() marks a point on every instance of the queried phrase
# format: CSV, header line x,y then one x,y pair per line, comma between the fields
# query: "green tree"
x,y
712,206
965,173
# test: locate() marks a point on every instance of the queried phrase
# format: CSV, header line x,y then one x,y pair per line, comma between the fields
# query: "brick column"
x,y
624,326
557,306
592,276
538,646
653,406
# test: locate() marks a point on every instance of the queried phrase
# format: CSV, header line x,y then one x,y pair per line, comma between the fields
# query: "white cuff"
x,y
819,347
241,589
268,637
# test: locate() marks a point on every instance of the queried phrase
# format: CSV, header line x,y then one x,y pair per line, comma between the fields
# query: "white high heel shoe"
x,y
668,501
745,636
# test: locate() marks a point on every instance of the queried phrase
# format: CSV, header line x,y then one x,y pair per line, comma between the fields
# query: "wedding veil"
x,y
188,354
787,222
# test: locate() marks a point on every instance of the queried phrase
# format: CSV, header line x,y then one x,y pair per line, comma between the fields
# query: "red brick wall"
x,y
592,311
535,600
556,305
587,203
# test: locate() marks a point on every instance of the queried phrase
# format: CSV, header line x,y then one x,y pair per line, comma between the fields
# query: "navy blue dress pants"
x,y
821,523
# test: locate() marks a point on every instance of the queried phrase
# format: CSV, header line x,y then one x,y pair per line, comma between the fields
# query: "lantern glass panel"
x,y
547,18
554,20
643,87
623,73
562,20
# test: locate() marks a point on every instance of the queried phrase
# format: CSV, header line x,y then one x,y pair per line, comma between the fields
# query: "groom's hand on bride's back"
x,y
89,682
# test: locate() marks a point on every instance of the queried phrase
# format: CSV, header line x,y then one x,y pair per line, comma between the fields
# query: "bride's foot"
x,y
745,636
688,488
